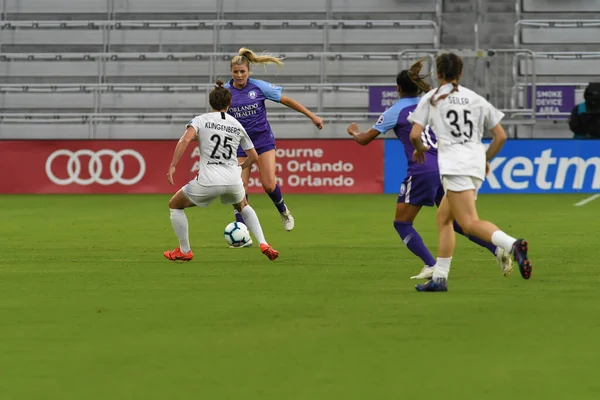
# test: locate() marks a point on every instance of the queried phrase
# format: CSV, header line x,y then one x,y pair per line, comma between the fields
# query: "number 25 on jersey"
x,y
223,143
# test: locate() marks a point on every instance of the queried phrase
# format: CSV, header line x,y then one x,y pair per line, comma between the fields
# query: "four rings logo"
x,y
95,167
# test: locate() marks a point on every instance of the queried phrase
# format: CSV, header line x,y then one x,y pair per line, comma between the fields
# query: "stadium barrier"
x,y
303,166
128,166
523,166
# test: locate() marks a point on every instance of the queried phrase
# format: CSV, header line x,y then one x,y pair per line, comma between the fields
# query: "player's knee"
x,y
467,225
173,204
443,218
240,206
269,185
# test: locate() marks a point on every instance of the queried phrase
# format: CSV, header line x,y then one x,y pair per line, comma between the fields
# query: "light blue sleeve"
x,y
270,91
388,119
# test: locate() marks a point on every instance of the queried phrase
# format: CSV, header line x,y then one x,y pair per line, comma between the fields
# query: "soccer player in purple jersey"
x,y
248,107
422,185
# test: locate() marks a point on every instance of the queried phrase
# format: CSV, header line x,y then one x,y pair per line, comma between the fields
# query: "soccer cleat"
x,y
177,255
504,260
287,219
247,244
426,273
269,251
519,252
433,286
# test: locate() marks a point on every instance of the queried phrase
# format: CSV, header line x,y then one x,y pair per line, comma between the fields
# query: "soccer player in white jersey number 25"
x,y
459,118
219,135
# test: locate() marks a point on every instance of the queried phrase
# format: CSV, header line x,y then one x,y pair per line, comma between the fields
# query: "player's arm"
x,y
273,93
493,116
415,138
248,147
189,135
294,105
385,122
419,119
362,138
498,139
252,157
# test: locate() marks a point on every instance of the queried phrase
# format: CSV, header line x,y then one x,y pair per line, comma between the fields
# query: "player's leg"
x,y
241,205
463,208
403,223
416,191
179,221
245,178
503,258
266,167
446,244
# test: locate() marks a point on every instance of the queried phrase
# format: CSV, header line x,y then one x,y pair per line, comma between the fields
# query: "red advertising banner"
x,y
130,166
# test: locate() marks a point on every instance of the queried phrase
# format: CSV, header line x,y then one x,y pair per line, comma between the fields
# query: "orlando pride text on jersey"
x,y
248,107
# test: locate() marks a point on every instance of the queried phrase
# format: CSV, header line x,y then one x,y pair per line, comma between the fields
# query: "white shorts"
x,y
461,183
202,196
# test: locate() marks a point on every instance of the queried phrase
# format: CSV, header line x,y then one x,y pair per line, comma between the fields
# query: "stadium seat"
x,y
203,36
560,6
570,66
192,68
49,10
190,99
558,35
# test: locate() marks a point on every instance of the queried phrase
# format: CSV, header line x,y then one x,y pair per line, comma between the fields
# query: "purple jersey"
x,y
248,107
396,118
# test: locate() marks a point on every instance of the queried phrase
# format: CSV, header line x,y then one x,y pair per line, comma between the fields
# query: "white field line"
x,y
588,200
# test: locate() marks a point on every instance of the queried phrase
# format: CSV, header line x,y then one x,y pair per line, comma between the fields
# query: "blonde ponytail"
x,y
247,56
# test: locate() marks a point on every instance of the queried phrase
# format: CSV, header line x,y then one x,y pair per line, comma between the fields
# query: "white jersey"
x,y
219,135
459,122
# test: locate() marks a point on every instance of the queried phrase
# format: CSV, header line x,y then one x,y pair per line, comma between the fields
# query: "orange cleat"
x,y
177,255
268,251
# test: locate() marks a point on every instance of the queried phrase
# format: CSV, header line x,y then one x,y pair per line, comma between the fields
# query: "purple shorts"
x,y
422,189
259,150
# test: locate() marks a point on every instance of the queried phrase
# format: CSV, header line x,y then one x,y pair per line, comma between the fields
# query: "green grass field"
x,y
90,309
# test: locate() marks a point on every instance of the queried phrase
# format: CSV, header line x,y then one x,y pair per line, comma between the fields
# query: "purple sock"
x,y
277,199
490,246
238,216
414,242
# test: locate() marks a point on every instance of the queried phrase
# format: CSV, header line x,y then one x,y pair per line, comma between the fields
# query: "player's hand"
x,y
352,129
317,121
170,175
487,168
419,156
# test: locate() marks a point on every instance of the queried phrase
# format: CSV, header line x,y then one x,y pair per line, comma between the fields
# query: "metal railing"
x,y
217,26
492,73
212,58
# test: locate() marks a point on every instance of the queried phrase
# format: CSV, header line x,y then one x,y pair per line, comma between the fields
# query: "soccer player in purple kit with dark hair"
x,y
422,185
248,107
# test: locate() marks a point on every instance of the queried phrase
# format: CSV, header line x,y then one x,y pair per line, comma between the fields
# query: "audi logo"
x,y
95,167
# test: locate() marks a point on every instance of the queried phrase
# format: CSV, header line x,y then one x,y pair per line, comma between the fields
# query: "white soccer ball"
x,y
236,234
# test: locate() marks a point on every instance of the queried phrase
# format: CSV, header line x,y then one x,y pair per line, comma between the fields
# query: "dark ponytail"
x,y
220,97
449,68
410,82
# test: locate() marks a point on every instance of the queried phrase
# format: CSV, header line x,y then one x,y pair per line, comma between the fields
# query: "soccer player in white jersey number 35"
x,y
459,118
219,135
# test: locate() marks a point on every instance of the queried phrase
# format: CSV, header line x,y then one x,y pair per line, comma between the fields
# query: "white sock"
x,y
501,239
180,226
442,268
252,222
